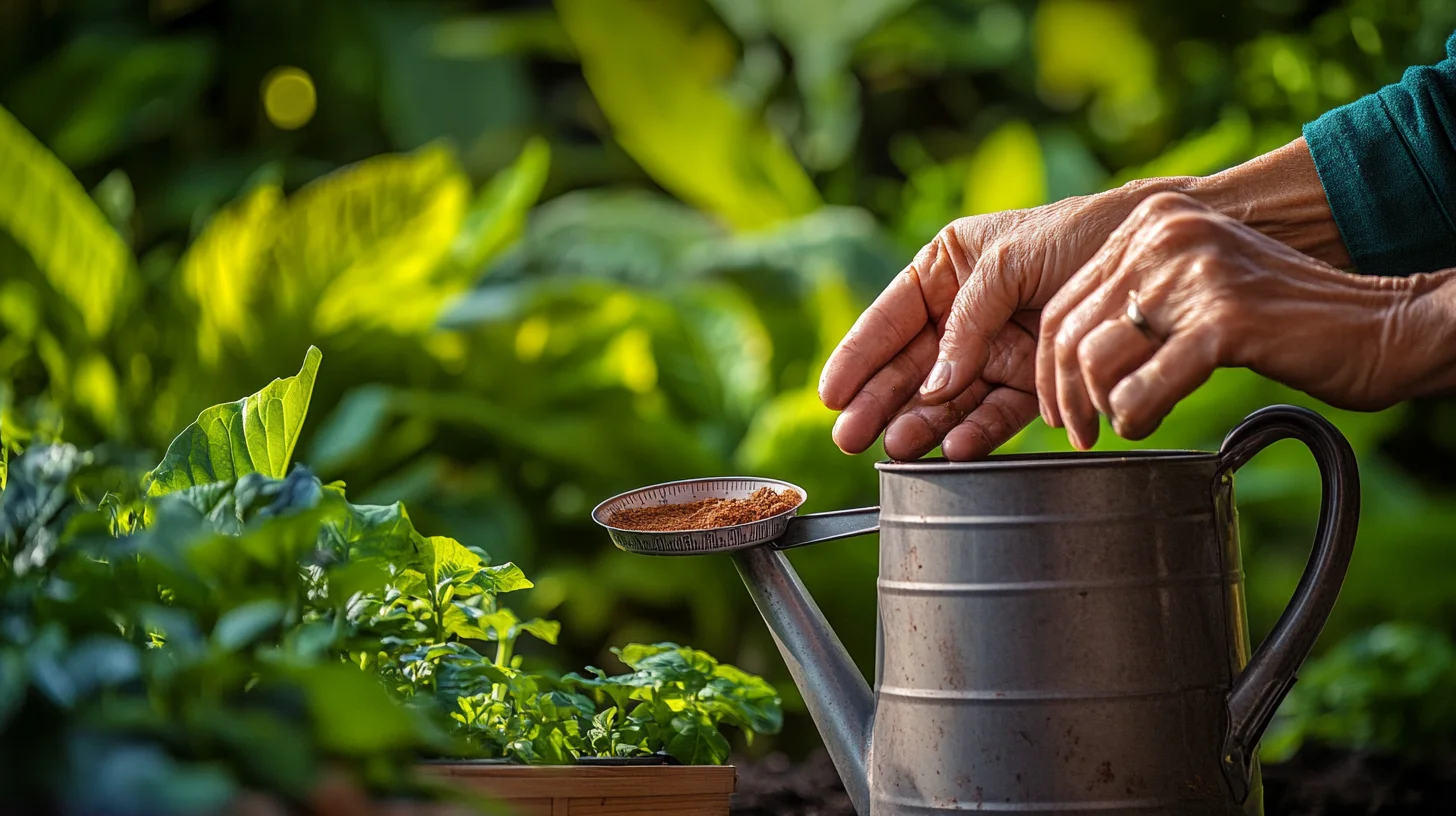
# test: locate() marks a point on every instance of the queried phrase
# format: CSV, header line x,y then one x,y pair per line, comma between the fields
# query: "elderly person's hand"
x,y
1207,292
945,356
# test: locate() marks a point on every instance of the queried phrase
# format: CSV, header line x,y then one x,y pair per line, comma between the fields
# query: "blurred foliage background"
x,y
557,251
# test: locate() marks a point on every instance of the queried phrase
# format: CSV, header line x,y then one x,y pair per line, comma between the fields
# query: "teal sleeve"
x,y
1388,166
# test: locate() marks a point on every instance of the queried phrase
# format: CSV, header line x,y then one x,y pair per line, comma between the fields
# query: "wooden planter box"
x,y
596,789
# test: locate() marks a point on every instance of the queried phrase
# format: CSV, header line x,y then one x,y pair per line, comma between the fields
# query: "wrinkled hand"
x,y
961,320
1216,293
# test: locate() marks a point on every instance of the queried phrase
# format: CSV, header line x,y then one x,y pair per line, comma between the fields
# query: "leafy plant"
x,y
1391,689
662,312
228,627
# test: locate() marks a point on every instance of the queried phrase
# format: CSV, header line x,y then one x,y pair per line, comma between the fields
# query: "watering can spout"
x,y
835,692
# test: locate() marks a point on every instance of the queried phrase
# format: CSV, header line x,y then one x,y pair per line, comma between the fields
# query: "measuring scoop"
x,y
782,531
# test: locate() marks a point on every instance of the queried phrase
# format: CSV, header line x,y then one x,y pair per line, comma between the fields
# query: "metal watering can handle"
x,y
1271,671
812,528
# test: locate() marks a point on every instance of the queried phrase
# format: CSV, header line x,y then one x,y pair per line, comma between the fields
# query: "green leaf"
x,y
505,577
1006,171
502,622
51,216
498,214
365,247
697,742
253,435
449,558
544,630
223,270
354,714
658,80
240,626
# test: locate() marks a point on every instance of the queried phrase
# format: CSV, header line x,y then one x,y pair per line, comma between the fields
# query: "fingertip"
x,y
905,438
849,438
830,392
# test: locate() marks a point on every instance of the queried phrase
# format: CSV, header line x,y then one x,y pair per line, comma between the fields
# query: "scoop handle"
x,y
813,528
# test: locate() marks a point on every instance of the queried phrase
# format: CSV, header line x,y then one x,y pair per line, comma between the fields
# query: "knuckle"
x,y
1087,357
1177,232
1161,203
1065,344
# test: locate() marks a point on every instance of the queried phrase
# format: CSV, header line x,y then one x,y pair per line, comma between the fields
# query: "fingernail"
x,y
939,378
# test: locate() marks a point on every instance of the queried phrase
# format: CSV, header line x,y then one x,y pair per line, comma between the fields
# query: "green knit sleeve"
x,y
1388,166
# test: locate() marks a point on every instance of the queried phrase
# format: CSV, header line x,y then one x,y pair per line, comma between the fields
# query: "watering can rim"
x,y
1019,461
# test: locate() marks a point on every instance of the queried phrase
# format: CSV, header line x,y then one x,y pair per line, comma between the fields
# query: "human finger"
x,y
1110,301
1003,413
880,333
1141,400
1102,265
885,395
987,298
921,427
1108,354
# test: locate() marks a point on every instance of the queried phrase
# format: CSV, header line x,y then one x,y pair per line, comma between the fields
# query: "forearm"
x,y
1278,194
1421,328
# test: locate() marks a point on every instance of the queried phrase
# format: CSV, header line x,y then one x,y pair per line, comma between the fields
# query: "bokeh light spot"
x,y
289,98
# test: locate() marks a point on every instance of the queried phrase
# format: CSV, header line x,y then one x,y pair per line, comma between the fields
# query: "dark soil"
x,y
775,786
1317,782
1326,782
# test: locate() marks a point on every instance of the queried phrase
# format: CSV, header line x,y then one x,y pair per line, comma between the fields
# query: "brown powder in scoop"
x,y
705,514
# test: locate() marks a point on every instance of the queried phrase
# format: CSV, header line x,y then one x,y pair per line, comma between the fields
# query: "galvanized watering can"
x,y
1058,633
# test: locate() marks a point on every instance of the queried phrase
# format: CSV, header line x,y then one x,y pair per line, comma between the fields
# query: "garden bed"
x,y
598,788
1317,782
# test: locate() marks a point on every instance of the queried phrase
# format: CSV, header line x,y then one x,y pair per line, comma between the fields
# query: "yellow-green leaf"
x,y
1221,146
658,79
256,434
448,556
499,212
49,213
366,246
1006,171
224,268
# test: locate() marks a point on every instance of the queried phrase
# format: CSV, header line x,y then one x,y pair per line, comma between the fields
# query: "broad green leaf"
x,y
634,653
366,246
821,36
448,558
253,435
697,742
119,89
224,268
1006,171
241,625
1221,146
498,214
544,630
1095,48
658,81
354,714
502,622
48,213
505,577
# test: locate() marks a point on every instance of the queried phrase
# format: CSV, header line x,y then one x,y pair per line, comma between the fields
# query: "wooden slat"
x,y
528,807
517,782
713,805
561,807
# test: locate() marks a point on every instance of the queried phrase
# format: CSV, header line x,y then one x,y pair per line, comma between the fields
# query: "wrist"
x,y
1424,319
1280,195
